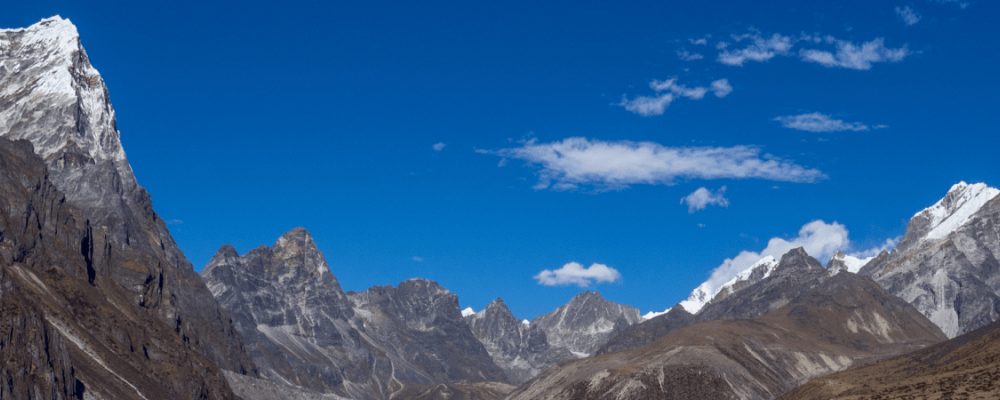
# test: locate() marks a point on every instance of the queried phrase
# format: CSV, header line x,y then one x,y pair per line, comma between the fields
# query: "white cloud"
x,y
817,122
701,198
468,311
819,239
760,49
175,222
852,56
700,42
575,274
607,165
439,146
888,245
961,3
909,16
418,259
721,88
687,56
668,91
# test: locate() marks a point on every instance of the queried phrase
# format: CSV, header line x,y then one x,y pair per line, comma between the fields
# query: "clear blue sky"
x,y
245,122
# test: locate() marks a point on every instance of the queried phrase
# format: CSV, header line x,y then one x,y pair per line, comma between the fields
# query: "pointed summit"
x,y
947,215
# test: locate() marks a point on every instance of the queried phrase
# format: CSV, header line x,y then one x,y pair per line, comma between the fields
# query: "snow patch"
x,y
704,293
956,208
852,263
580,354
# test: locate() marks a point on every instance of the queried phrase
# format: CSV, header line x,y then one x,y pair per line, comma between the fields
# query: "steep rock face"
x,y
297,320
419,325
67,332
585,323
963,367
520,349
53,97
842,320
947,265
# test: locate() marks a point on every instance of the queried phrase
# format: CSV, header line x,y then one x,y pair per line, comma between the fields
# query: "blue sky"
x,y
480,144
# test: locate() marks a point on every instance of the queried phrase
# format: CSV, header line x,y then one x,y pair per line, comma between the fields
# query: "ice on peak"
x,y
653,314
956,208
468,311
852,263
704,293
525,322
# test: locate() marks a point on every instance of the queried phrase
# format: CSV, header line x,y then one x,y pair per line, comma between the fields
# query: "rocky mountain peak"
x,y
586,322
955,209
797,260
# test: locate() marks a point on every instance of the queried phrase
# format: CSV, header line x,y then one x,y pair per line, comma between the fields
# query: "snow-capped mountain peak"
x,y
468,311
704,293
956,208
851,263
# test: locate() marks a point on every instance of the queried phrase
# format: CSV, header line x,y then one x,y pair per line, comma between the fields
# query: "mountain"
x,y
66,331
520,349
946,264
297,320
585,323
648,331
841,320
53,97
308,336
419,325
964,367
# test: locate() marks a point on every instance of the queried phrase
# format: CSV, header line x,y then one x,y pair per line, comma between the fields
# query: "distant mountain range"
x,y
98,302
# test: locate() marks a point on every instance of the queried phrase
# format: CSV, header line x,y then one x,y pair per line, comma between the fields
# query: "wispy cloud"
x,y
817,122
852,56
755,46
688,56
668,91
700,42
175,222
961,3
760,48
909,16
611,165
575,274
439,146
418,259
701,198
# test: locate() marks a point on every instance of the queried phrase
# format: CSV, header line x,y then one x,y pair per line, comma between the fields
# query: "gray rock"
x,y
946,264
520,349
53,97
585,323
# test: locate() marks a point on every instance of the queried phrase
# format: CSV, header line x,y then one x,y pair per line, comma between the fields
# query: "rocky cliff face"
x,y
520,349
53,97
419,326
66,331
306,333
840,320
297,320
585,323
946,264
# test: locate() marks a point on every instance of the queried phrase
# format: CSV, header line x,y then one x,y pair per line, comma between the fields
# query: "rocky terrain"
x,y
946,264
66,331
522,350
305,331
585,323
52,97
840,320
961,368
